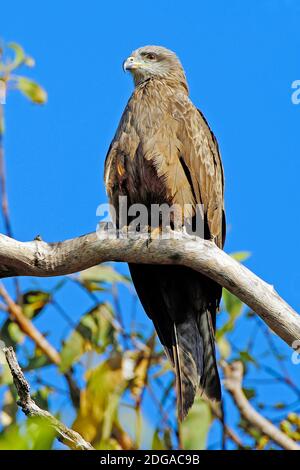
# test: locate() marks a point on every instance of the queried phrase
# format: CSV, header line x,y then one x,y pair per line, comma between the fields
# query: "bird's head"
x,y
155,62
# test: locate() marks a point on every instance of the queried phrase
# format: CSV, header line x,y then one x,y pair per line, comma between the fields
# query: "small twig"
x,y
165,418
233,383
73,389
118,313
28,327
148,356
4,196
217,412
273,347
66,435
32,332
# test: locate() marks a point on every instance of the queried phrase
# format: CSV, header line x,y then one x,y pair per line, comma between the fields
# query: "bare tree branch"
x,y
28,327
3,192
233,383
215,409
69,437
38,258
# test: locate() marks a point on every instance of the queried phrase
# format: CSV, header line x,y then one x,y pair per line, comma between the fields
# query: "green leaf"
x,y
241,255
102,274
9,408
97,414
245,357
157,442
232,304
249,392
20,58
279,406
195,427
109,416
15,333
19,55
40,435
33,302
224,347
72,351
11,334
32,90
37,361
94,331
5,375
234,307
13,439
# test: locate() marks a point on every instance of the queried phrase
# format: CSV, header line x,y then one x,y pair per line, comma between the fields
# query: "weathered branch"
x,y
233,383
69,437
38,258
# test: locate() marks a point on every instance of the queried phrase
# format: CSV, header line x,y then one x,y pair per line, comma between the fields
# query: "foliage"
x,y
13,58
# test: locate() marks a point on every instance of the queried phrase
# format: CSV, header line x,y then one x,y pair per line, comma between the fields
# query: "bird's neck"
x,y
174,85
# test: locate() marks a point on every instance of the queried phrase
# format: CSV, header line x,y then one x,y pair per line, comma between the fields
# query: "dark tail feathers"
x,y
195,362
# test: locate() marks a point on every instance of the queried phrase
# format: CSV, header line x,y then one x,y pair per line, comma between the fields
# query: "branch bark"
x,y
38,258
233,383
70,438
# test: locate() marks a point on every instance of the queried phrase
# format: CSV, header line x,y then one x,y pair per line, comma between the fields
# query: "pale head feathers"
x,y
155,62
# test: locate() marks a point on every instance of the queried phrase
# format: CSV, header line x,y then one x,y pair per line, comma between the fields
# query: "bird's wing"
x,y
186,156
202,164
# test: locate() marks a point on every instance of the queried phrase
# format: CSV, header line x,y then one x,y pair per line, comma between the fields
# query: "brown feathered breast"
x,y
164,152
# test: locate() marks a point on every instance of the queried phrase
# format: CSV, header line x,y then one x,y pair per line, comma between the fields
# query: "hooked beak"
x,y
131,64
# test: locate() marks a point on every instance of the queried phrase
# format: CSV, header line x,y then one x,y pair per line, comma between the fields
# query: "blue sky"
x,y
240,58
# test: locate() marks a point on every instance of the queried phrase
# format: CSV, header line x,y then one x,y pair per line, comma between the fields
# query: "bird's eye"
x,y
151,56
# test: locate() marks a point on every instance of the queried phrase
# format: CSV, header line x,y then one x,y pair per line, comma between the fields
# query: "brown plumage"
x,y
164,152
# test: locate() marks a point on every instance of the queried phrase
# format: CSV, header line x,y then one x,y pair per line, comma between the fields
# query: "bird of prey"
x,y
164,152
